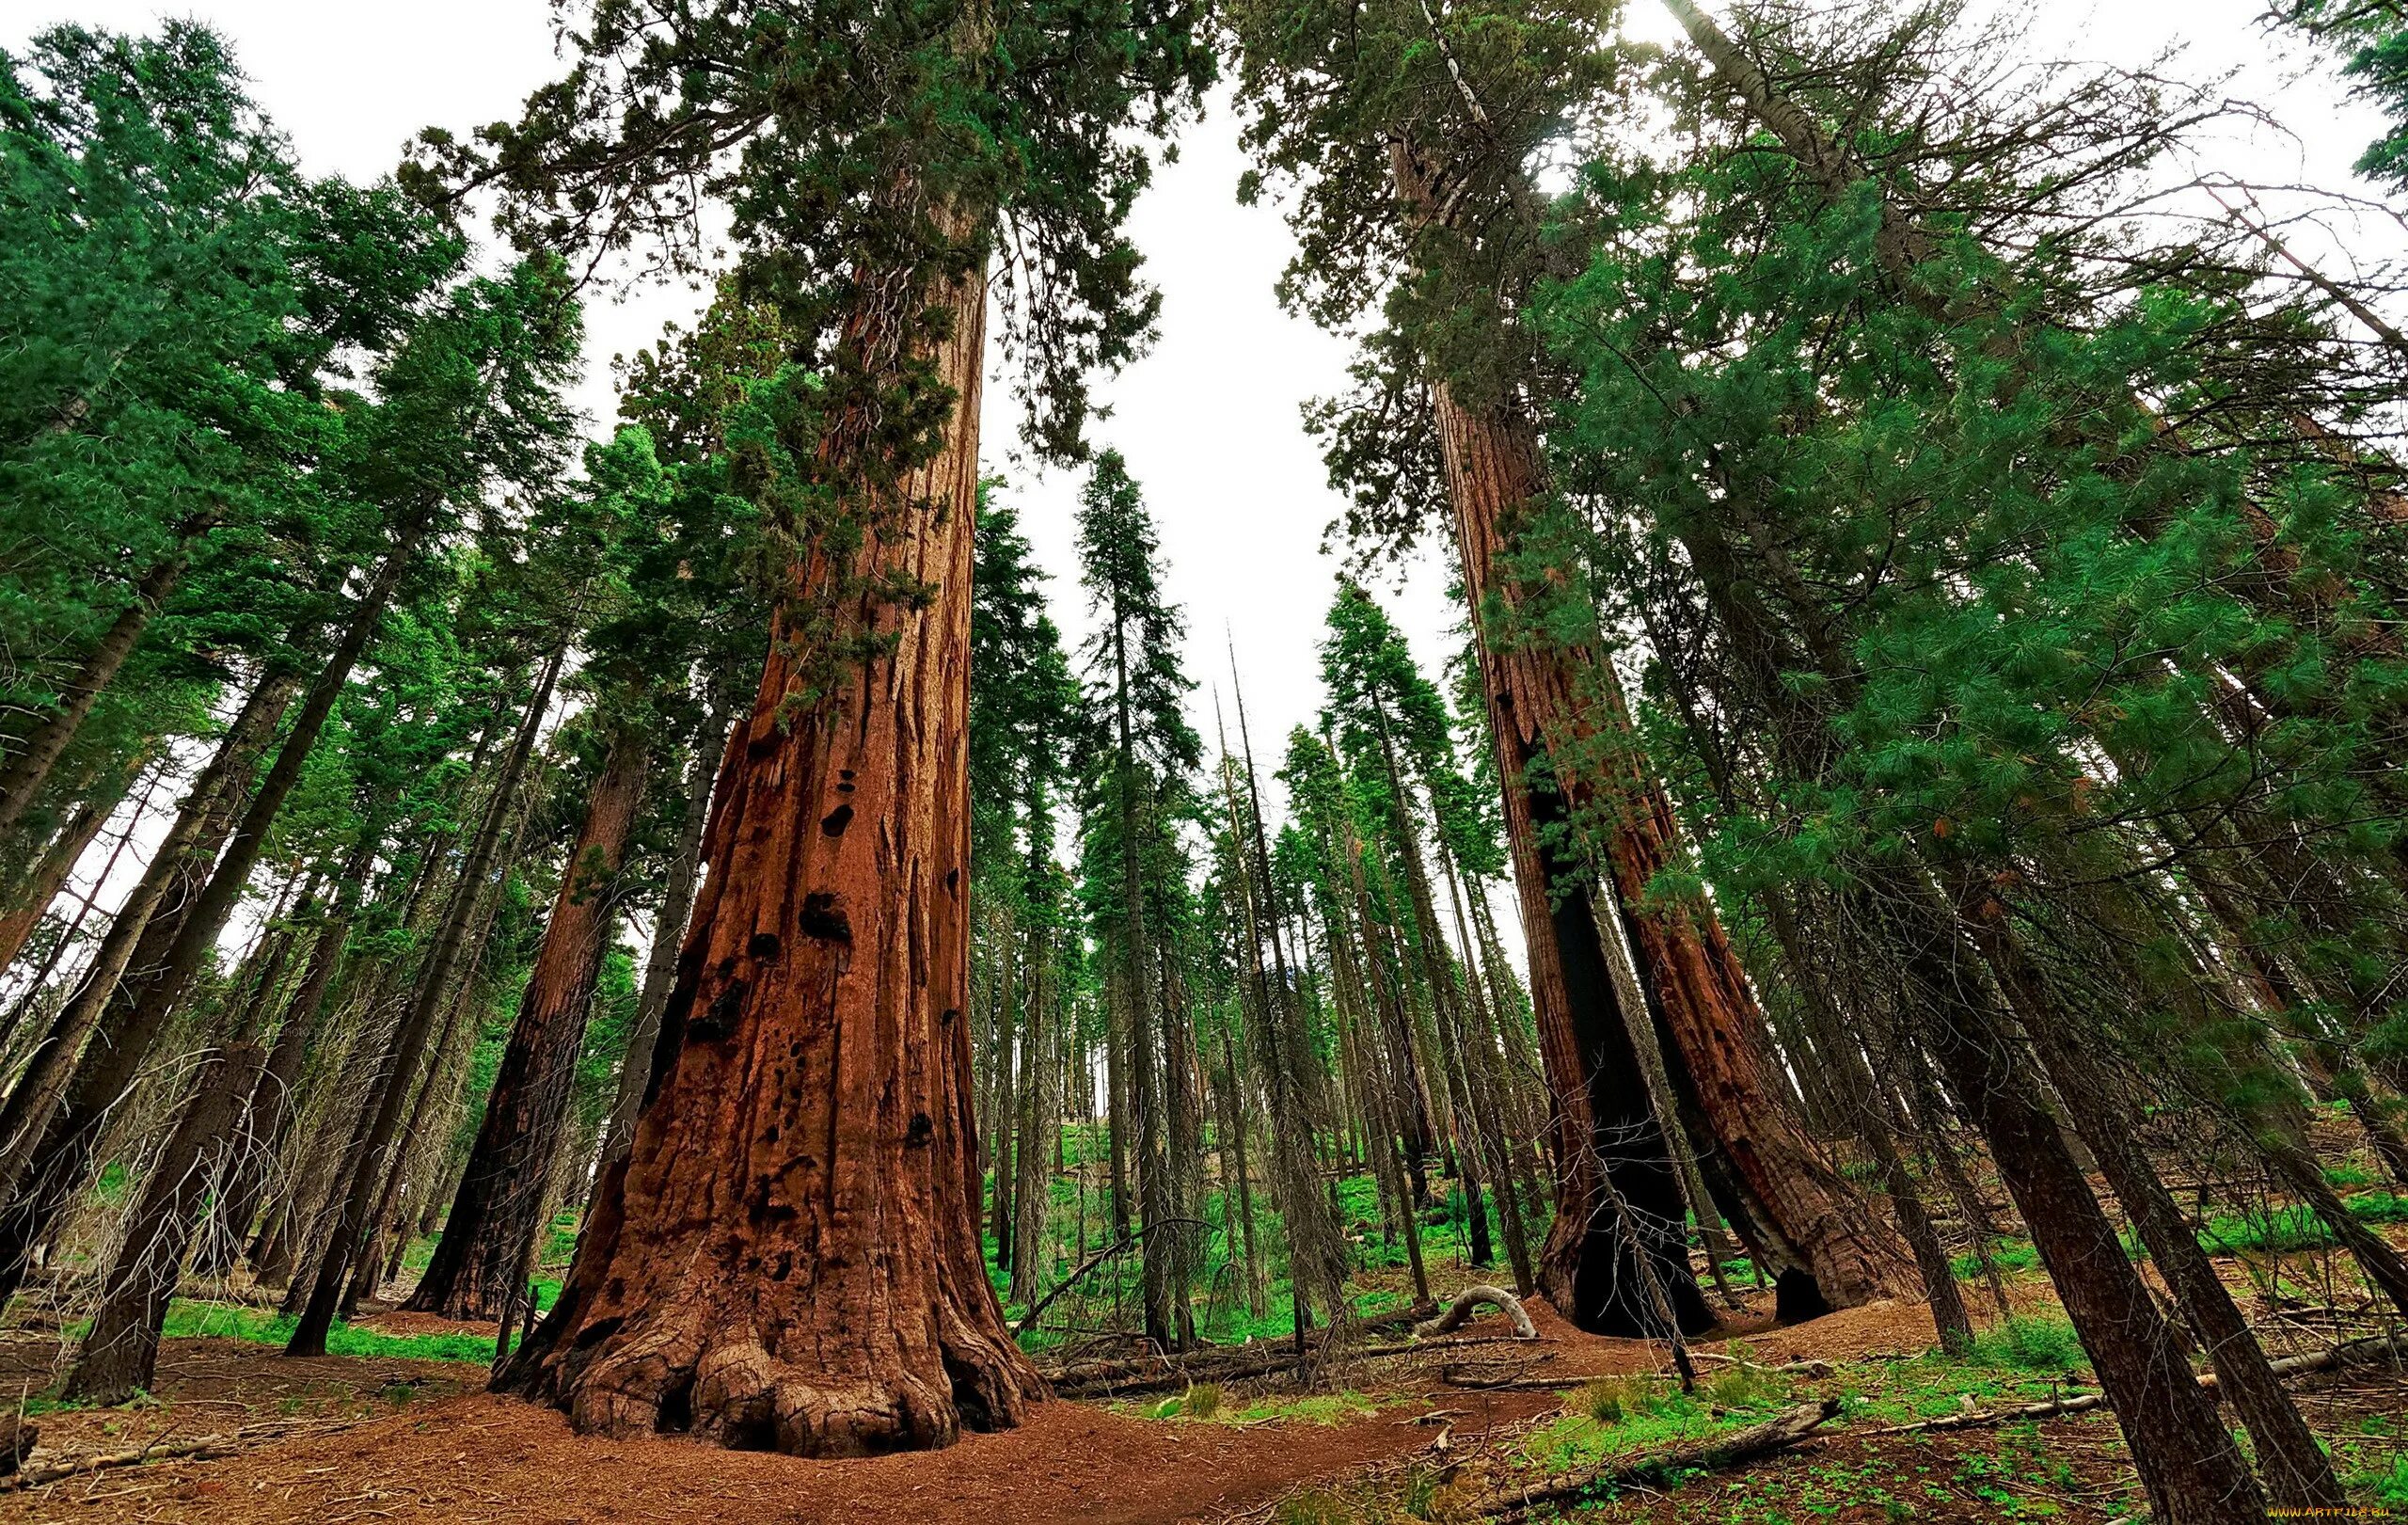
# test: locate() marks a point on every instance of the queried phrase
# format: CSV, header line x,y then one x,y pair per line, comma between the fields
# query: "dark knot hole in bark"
x,y
834,822
823,917
721,1017
676,1415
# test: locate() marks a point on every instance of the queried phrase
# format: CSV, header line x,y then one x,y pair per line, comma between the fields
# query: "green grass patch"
x,y
2009,1255
1309,1409
225,1320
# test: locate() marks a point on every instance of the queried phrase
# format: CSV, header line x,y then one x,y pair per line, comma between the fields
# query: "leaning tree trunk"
x,y
1787,1202
2187,1461
668,931
21,779
267,1114
499,1205
119,1355
1604,1134
42,885
789,1256
1769,1181
135,1014
36,1159
394,1082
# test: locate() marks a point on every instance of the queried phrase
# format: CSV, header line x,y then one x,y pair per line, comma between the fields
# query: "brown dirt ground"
x,y
423,1444
389,1439
476,1457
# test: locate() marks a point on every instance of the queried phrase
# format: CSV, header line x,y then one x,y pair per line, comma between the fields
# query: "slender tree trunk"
x,y
1121,1118
42,1151
49,876
2186,1459
1237,1189
23,776
120,1353
267,1112
134,1017
2296,1471
789,1258
497,1210
1290,1069
1481,1052
1003,1113
1158,1253
397,1069
1039,1114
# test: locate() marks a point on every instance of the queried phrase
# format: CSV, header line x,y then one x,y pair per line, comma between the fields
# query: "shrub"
x,y
1202,1401
2032,1344
1737,1386
1609,1400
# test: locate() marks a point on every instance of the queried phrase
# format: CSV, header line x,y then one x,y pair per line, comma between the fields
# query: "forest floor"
x,y
384,1437
395,1424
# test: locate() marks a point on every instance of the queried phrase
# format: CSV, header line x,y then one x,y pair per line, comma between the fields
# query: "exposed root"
x,y
1460,1310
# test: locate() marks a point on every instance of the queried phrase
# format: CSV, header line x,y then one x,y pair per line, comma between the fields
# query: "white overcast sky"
x,y
1209,418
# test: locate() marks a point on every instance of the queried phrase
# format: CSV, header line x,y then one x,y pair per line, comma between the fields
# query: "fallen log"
x,y
206,1448
1776,1434
1973,1419
1460,1310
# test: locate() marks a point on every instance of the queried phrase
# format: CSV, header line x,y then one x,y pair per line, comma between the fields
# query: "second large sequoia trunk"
x,y
1567,763
789,1258
497,1210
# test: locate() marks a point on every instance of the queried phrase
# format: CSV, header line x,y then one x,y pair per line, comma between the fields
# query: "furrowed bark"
x,y
788,1257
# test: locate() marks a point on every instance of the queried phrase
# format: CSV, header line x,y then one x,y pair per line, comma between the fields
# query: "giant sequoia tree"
x,y
1409,147
788,1257
2100,576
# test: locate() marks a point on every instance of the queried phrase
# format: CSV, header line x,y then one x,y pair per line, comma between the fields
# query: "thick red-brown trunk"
x,y
1559,708
1771,1182
789,1257
1607,1140
496,1211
